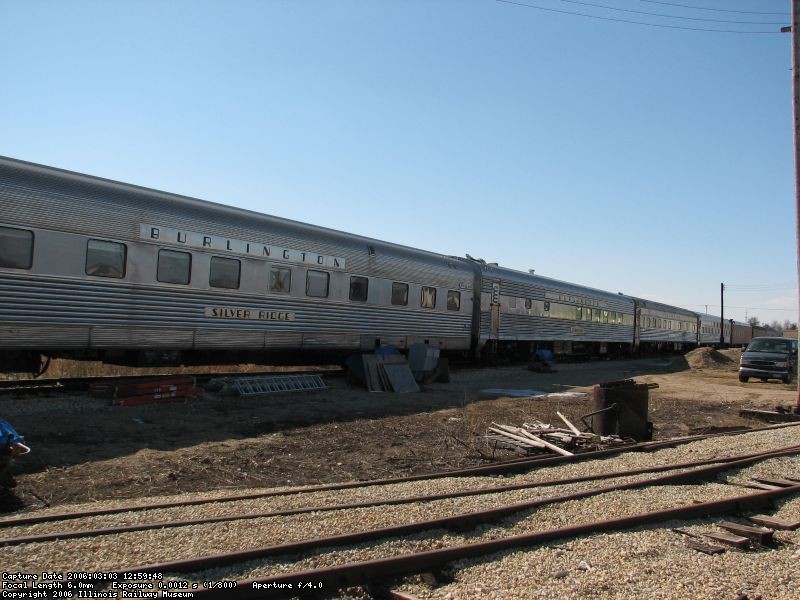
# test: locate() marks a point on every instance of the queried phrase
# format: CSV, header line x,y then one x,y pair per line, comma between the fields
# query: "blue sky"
x,y
652,161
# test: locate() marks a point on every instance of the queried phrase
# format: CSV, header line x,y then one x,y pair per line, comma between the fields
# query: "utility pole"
x,y
722,305
796,123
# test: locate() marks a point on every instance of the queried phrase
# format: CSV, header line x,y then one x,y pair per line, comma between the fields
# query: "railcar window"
x,y
605,316
578,313
453,300
280,280
528,303
587,314
546,305
317,284
428,298
358,288
399,294
16,248
174,267
224,273
105,259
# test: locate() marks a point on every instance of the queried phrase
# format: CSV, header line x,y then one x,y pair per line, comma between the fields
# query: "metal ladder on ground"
x,y
272,384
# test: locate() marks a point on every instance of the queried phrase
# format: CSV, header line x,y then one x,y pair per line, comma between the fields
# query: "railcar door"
x,y
495,313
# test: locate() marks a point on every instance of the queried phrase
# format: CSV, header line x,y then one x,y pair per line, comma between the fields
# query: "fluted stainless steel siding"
x,y
62,308
534,328
74,313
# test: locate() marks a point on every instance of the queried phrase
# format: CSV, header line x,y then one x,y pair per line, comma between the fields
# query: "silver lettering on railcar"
x,y
243,314
203,241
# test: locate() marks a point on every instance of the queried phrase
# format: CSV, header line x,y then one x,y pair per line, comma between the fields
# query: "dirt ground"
x,y
84,449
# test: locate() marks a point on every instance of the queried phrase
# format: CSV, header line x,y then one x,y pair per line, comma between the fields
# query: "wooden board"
x,y
775,522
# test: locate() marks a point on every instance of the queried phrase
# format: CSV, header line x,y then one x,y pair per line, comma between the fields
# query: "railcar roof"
x,y
556,284
665,307
127,192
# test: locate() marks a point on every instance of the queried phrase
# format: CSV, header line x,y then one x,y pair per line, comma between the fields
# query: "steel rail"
x,y
511,466
458,521
359,573
10,386
83,533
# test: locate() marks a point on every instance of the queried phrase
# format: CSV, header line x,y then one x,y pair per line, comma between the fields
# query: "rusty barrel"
x,y
624,406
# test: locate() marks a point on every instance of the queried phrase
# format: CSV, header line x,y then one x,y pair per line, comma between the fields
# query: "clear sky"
x,y
649,160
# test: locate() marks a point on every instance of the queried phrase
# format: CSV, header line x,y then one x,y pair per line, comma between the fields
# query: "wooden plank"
x,y
517,438
762,535
761,486
552,447
705,548
774,522
776,481
769,415
729,539
524,433
571,427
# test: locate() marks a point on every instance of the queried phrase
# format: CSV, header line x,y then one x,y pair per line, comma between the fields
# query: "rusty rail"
x,y
454,521
65,535
511,466
359,573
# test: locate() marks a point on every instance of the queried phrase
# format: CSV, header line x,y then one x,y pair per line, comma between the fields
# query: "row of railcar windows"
x,y
109,259
657,323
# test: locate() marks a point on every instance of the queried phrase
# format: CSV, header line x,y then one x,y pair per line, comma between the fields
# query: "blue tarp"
x,y
8,435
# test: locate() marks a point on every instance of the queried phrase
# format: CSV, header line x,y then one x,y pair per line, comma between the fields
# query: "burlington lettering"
x,y
204,241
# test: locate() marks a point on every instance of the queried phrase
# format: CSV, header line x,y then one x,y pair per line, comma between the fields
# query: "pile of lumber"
x,y
544,437
131,392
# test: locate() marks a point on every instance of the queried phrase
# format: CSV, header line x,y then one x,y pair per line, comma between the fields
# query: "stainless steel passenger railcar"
x,y
517,307
660,326
92,268
710,331
108,269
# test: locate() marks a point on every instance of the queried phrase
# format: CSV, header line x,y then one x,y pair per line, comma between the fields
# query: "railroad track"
x,y
64,384
456,519
500,468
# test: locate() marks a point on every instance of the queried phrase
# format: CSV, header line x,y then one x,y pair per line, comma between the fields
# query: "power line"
x,y
651,14
727,10
758,287
579,14
745,307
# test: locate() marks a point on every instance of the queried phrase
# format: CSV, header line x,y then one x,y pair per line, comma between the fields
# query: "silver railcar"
x,y
101,267
709,334
523,307
663,326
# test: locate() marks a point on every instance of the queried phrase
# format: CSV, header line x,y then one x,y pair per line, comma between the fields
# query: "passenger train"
x,y
96,269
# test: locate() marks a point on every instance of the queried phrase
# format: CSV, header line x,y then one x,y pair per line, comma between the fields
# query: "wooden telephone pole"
x,y
796,123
